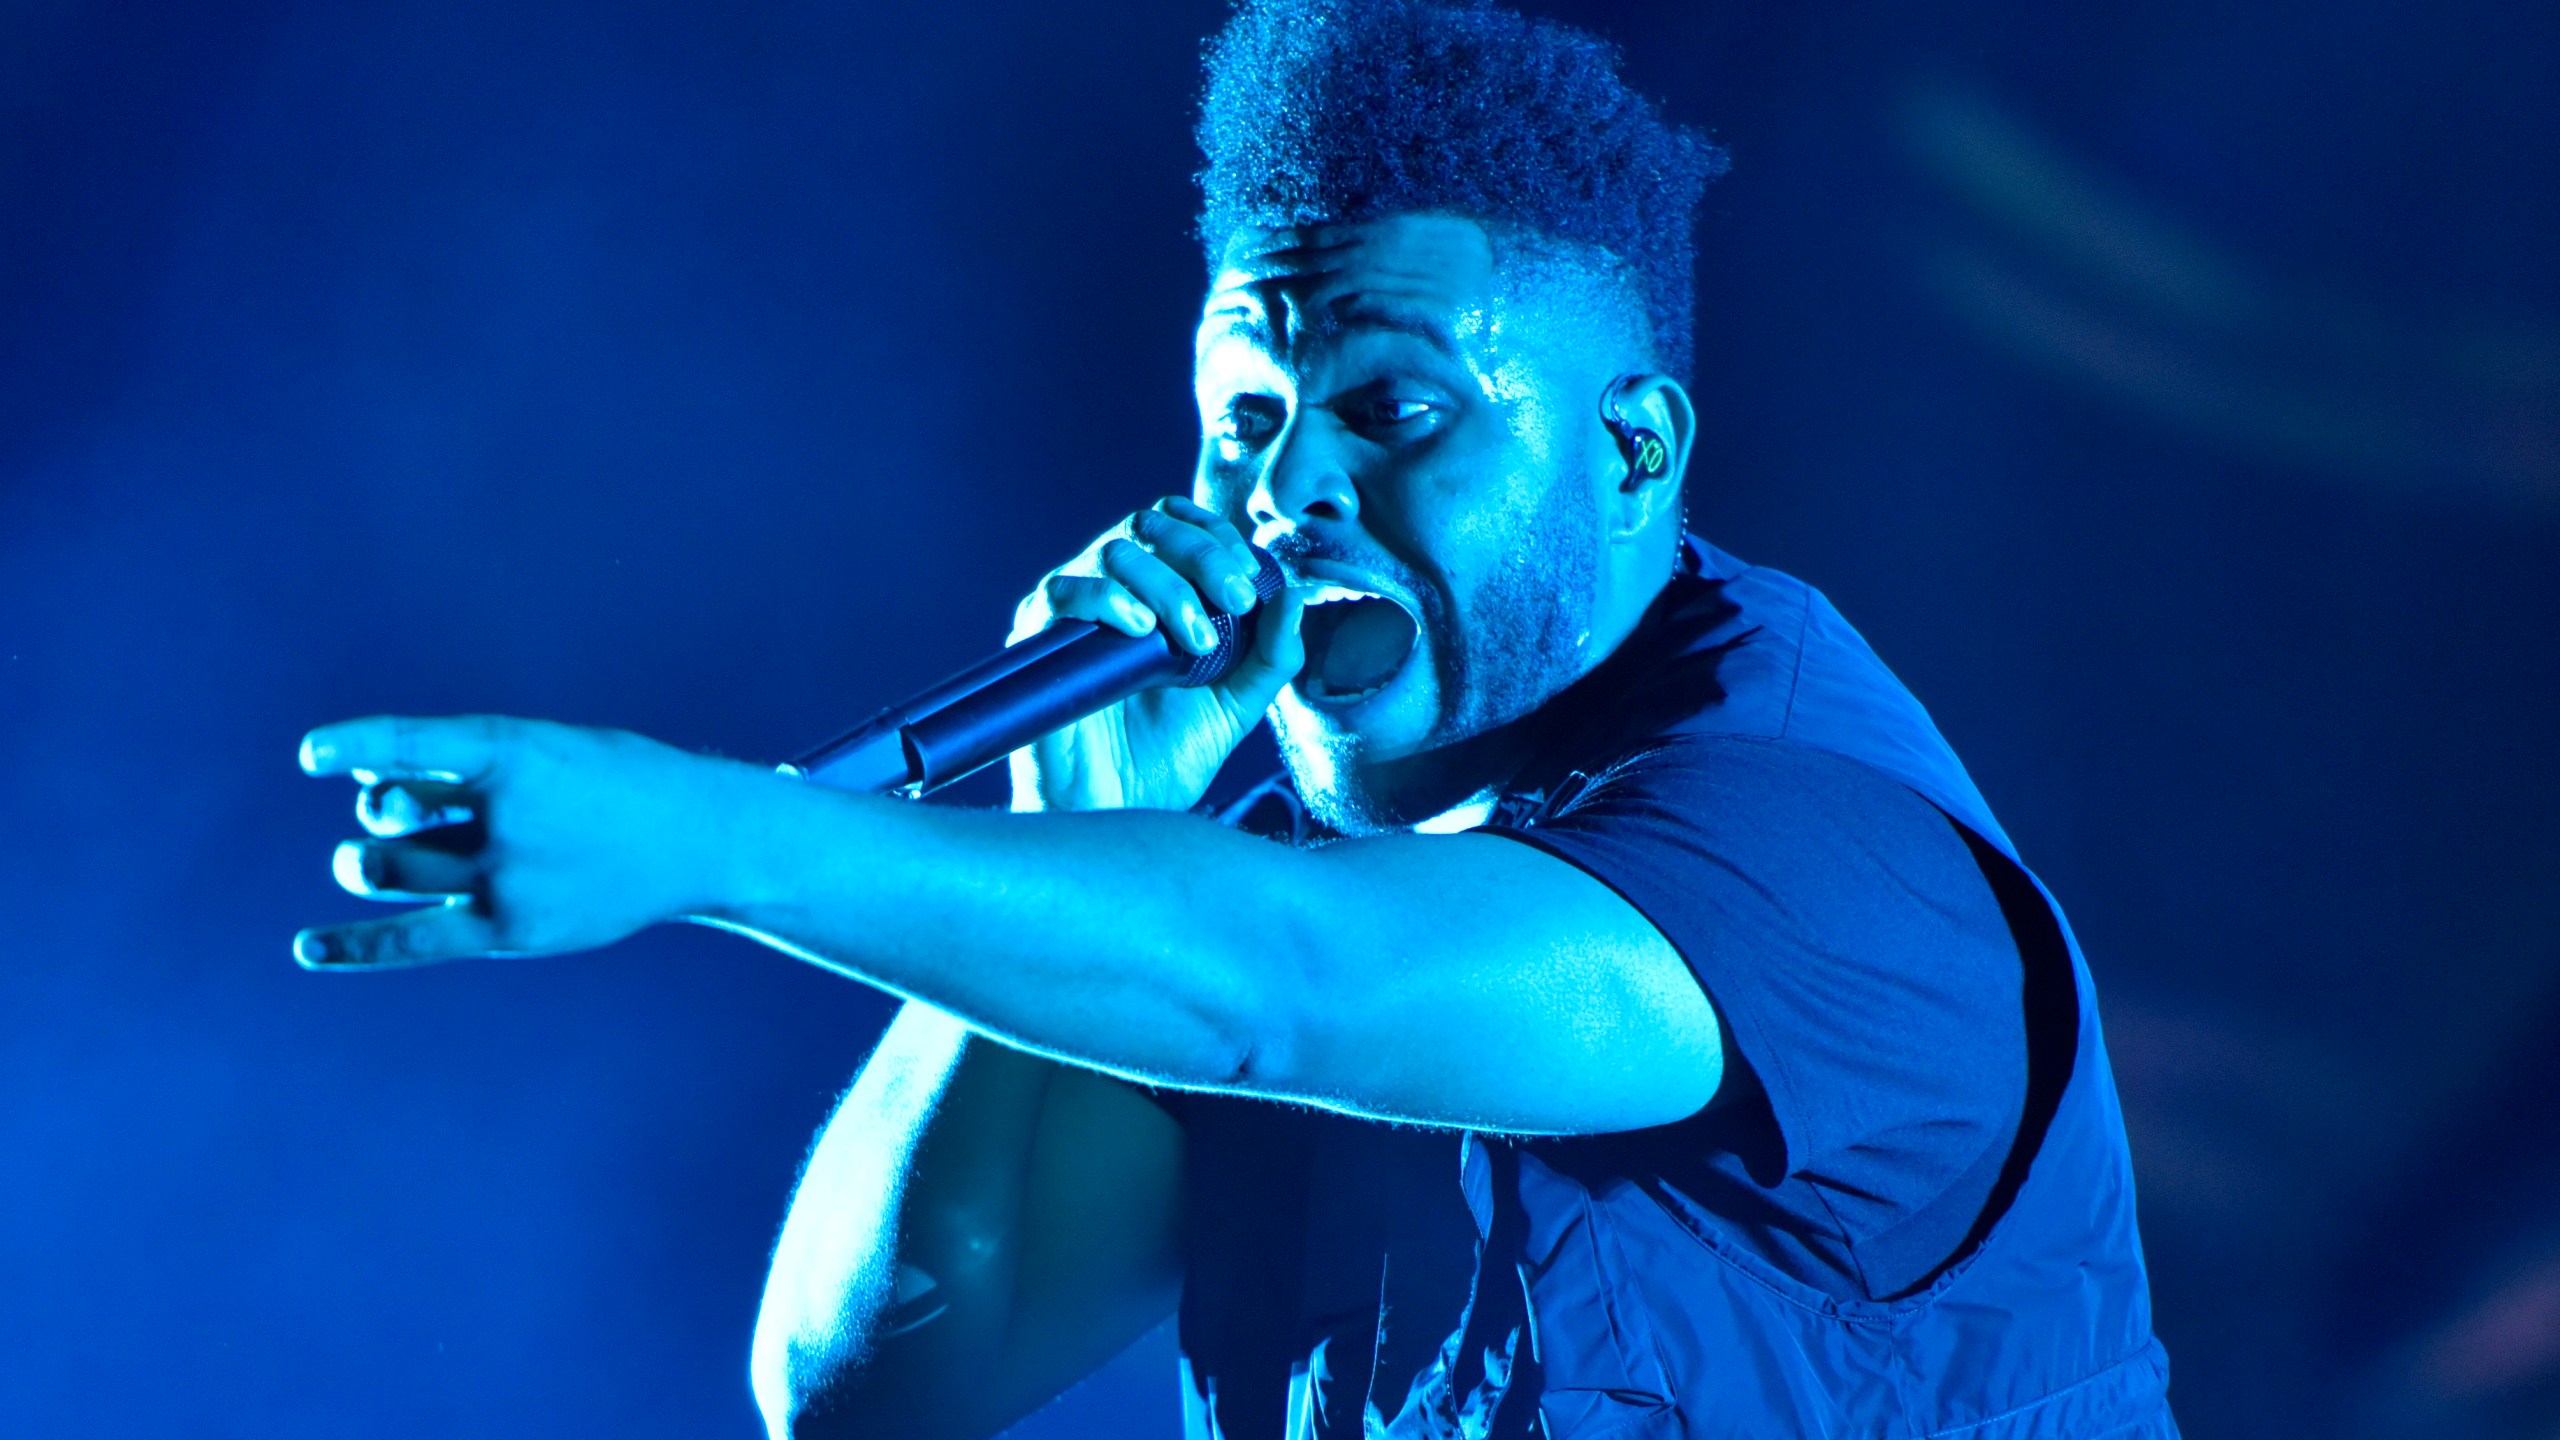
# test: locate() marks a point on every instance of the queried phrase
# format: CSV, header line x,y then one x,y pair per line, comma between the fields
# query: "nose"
x,y
1303,482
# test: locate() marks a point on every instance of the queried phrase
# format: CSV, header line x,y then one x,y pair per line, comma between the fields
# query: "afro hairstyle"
x,y
1350,110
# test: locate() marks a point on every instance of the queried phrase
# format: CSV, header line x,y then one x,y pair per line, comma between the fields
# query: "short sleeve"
x,y
1858,958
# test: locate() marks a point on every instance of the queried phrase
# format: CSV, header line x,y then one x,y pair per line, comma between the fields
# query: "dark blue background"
x,y
2172,393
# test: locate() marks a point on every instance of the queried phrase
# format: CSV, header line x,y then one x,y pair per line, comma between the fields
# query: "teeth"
x,y
1326,594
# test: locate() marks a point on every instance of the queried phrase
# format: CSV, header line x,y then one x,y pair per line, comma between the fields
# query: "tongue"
x,y
1368,642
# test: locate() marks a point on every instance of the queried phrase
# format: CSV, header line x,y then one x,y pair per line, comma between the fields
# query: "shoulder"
x,y
1783,860
1742,780
1782,816
1727,648
1844,930
1787,665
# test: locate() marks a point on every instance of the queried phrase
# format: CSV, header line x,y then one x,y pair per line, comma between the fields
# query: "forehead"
x,y
1283,289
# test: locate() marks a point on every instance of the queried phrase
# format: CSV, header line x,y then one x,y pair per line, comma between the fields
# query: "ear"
x,y
1638,407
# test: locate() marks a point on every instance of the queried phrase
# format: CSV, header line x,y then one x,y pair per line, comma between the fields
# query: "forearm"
x,y
920,1172
1125,940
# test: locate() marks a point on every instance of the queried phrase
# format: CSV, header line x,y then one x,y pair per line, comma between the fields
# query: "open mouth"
x,y
1357,643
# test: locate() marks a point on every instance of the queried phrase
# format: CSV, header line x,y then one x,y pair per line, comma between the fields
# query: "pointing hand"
x,y
532,838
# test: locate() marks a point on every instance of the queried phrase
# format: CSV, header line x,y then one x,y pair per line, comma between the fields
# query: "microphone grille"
x,y
1236,632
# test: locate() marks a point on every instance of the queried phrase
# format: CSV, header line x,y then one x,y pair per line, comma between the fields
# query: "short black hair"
x,y
1349,110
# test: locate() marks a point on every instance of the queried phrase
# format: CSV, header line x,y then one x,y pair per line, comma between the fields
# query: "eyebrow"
x,y
1374,315
1351,313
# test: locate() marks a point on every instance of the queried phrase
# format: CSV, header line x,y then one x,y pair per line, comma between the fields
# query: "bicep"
x,y
1471,980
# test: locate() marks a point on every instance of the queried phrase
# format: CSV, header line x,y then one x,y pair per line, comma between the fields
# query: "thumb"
x,y
1279,649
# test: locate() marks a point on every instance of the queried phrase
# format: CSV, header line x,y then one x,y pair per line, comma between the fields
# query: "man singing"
x,y
1624,1019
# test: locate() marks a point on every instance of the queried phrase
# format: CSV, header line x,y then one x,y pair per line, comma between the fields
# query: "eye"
x,y
1392,416
1251,419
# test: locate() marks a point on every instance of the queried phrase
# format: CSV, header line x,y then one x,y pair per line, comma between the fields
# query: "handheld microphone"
x,y
1022,692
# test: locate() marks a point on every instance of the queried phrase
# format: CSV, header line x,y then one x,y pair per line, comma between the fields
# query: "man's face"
x,y
1413,438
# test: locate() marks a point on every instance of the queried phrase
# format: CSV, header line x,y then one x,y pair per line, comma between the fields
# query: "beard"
x,y
1498,652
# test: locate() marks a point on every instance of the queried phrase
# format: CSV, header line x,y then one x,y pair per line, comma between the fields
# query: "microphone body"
x,y
1022,692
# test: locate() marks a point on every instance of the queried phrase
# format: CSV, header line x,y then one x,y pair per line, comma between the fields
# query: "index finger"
x,y
458,748
1218,526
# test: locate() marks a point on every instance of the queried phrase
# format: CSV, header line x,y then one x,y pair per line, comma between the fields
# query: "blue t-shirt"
x,y
1868,985
1680,1284
1876,1056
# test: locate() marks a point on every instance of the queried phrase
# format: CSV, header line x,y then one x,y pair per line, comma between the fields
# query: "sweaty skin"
x,y
1380,412
1404,421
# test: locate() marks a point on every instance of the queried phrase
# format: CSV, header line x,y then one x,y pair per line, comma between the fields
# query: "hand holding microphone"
x,y
1171,569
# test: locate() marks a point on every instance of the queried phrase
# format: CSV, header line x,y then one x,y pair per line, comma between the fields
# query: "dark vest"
x,y
1606,1302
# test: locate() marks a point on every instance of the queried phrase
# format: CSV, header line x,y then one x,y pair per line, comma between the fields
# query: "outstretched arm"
x,y
1452,980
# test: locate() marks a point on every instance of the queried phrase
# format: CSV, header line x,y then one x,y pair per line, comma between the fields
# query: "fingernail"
x,y
315,755
1239,593
310,949
1136,614
346,866
1203,634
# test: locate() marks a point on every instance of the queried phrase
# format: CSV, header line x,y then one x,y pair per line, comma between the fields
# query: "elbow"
x,y
1258,1033
778,1374
1250,1063
798,1402
1252,1010
840,1384
805,1385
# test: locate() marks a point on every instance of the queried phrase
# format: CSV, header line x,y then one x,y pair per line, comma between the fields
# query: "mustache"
x,y
1297,549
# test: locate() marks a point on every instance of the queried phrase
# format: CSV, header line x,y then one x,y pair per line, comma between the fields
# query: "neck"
x,y
1633,575
1419,791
